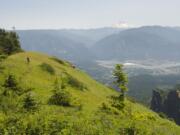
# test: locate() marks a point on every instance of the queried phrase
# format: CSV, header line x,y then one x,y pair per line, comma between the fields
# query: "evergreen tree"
x,y
29,103
11,85
10,82
9,43
121,79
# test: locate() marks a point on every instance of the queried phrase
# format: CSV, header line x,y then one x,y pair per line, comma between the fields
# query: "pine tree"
x,y
29,103
121,79
11,85
9,43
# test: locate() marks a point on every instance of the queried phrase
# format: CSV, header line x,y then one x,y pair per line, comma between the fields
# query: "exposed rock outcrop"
x,y
168,103
156,102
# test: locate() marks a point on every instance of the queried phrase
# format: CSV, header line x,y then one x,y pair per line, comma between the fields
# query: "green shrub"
x,y
62,98
2,57
34,129
48,68
56,126
108,109
129,131
8,104
58,60
117,102
75,83
105,107
60,95
15,125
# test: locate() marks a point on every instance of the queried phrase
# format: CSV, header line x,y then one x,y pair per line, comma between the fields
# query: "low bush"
x,y
117,102
76,83
58,60
8,104
62,98
48,68
108,109
2,57
60,95
129,131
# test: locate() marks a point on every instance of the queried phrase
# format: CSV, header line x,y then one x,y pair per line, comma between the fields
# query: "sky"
x,y
58,14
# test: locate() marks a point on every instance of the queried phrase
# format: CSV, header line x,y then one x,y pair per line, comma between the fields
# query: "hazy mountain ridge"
x,y
70,44
140,43
54,43
147,42
93,35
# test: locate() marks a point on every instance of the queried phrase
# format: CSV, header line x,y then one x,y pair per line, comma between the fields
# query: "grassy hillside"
x,y
89,112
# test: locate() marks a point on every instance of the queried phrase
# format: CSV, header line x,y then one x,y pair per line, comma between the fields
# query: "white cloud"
x,y
121,25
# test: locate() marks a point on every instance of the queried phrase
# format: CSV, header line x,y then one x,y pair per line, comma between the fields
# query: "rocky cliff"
x,y
167,103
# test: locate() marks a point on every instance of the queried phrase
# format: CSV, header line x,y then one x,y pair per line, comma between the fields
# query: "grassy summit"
x,y
86,112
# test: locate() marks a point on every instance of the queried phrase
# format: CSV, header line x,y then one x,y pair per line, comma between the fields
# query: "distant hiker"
x,y
28,60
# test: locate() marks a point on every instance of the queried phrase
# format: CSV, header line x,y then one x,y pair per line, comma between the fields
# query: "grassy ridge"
x,y
86,116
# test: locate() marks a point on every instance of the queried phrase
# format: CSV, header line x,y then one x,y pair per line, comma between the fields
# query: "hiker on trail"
x,y
28,60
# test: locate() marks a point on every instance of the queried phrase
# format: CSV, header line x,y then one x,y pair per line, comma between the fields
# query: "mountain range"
x,y
153,42
148,42
69,44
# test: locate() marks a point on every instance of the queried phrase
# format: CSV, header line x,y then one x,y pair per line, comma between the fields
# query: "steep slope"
x,y
90,113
